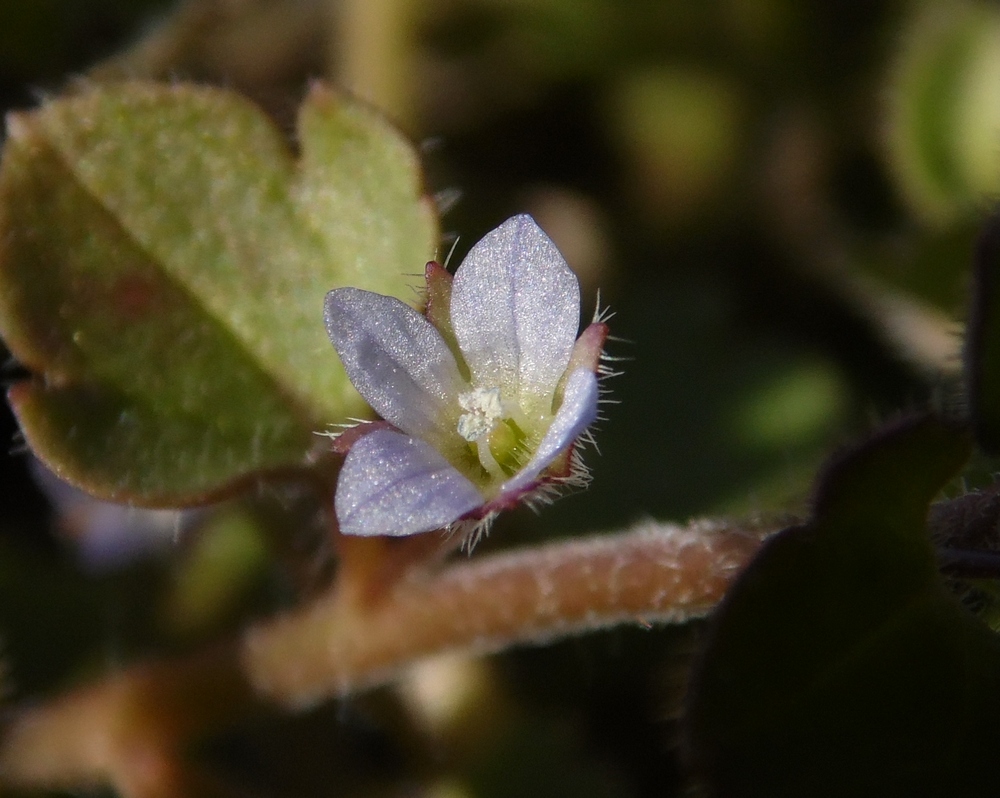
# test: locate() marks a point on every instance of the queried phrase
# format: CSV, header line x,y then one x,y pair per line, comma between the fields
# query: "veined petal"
x,y
392,484
396,360
515,310
577,412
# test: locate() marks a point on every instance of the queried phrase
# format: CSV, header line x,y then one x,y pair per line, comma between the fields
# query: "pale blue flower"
x,y
485,397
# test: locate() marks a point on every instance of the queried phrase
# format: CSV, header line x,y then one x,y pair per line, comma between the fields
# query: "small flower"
x,y
485,397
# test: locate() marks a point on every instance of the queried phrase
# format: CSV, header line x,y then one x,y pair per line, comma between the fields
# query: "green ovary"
x,y
507,444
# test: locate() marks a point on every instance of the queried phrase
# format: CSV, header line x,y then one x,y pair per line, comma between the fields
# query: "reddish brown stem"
x,y
656,573
131,730
127,730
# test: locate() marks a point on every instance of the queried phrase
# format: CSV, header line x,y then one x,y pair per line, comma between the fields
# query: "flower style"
x,y
484,398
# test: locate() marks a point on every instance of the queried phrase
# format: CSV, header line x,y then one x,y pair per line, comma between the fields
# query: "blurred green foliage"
x,y
872,662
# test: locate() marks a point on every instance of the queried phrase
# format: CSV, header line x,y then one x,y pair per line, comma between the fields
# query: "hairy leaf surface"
x,y
163,263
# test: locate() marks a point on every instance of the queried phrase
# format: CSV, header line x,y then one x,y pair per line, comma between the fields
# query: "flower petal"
x,y
392,484
396,360
515,310
577,412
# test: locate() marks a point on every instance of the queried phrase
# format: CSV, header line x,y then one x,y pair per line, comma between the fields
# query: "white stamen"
x,y
484,410
488,461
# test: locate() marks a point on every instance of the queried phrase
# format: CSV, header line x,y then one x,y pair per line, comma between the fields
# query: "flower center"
x,y
497,439
483,410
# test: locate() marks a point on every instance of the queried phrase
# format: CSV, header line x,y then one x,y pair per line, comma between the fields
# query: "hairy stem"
x,y
372,48
126,730
138,722
656,573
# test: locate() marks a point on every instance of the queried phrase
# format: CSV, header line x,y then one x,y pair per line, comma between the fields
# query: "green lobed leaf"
x,y
163,264
838,663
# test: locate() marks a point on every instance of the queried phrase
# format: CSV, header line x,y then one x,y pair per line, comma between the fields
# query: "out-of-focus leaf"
x,y
797,406
982,349
163,263
680,131
839,664
945,109
226,560
56,619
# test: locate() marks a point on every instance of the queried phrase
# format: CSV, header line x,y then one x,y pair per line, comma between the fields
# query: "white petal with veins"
x,y
396,360
392,484
515,310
